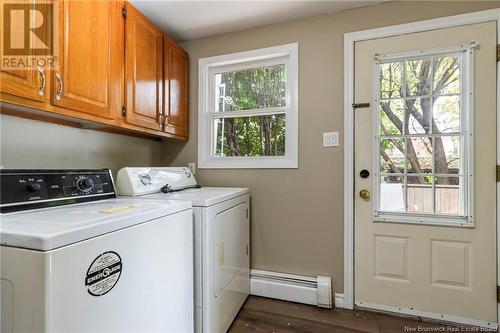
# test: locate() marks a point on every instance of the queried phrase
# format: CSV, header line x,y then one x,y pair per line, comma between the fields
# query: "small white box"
x,y
331,139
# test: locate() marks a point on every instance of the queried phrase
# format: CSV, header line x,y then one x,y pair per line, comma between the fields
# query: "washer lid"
x,y
47,229
203,197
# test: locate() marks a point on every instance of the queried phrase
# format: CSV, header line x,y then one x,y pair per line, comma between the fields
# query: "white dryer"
x,y
221,233
95,263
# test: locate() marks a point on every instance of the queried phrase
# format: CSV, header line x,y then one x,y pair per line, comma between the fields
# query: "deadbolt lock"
x,y
365,194
364,173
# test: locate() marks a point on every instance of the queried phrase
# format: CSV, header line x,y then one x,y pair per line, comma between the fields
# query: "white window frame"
x,y
207,68
466,54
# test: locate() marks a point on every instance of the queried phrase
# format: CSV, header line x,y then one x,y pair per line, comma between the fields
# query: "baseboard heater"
x,y
294,288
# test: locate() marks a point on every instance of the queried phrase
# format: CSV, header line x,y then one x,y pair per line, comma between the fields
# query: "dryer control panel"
x,y
30,189
140,181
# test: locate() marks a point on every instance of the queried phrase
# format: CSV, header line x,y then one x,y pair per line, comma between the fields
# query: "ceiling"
x,y
185,20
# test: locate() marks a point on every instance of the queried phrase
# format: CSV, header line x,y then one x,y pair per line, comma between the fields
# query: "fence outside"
x,y
419,199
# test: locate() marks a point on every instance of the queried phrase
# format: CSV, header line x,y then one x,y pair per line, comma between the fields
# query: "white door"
x,y
425,225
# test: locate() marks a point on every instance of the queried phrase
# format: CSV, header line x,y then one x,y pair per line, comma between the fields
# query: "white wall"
x,y
34,144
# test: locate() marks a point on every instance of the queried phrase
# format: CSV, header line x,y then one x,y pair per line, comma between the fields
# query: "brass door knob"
x,y
365,194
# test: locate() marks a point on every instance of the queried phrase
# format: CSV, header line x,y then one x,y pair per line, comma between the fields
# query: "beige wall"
x,y
297,215
34,144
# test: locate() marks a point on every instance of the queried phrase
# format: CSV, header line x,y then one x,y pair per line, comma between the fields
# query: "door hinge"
x,y
247,249
124,111
124,12
360,105
498,173
247,212
498,52
498,294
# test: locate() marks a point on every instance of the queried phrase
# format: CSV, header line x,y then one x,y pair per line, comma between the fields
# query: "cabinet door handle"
x,y
41,90
60,89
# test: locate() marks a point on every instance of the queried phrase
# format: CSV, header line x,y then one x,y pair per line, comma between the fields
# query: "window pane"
x,y
418,115
448,195
391,194
446,75
419,154
391,117
418,77
446,114
392,155
250,136
419,194
448,154
254,88
391,80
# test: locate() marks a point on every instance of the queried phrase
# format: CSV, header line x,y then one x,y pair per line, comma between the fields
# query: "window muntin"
x,y
248,115
421,146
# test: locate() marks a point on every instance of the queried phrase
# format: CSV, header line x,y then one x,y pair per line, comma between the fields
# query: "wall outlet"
x,y
331,139
192,167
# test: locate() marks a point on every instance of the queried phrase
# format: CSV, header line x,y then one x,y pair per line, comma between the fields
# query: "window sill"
x,y
442,221
248,163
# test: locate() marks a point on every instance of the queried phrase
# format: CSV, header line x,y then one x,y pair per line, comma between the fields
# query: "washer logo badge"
x,y
103,273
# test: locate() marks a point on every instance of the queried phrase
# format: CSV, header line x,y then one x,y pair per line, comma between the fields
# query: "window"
x,y
248,109
423,137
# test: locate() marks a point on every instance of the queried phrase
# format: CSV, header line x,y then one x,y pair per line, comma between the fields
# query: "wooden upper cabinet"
x,y
111,65
88,73
176,78
31,83
143,70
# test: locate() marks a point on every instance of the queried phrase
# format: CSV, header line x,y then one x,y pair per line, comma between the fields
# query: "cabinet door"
x,y
15,79
89,49
176,75
143,70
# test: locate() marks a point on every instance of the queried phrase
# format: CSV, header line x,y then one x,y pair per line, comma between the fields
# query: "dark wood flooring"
x,y
260,315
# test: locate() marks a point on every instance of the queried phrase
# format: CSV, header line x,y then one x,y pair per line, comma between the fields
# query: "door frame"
x,y
349,42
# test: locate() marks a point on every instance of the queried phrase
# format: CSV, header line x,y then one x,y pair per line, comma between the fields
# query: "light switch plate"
x,y
330,139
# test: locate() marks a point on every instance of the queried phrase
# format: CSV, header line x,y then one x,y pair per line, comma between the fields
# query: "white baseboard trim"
x,y
424,314
339,301
294,288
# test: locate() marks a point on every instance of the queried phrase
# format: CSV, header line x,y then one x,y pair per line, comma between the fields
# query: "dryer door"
x,y
231,240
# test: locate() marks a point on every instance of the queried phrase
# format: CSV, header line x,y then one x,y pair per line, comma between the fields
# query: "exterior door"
x,y
89,48
144,72
176,76
29,82
425,223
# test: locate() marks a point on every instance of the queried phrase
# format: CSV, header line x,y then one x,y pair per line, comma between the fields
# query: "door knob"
x,y
365,194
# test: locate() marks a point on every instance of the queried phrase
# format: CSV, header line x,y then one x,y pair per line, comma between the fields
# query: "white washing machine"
x,y
221,233
94,263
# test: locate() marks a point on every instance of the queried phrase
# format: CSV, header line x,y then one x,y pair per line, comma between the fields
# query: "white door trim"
x,y
349,40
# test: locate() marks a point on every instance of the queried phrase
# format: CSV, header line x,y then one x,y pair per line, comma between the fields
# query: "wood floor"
x,y
260,315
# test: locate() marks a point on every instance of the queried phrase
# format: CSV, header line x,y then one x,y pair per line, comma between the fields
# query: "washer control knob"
x,y
84,184
145,179
34,187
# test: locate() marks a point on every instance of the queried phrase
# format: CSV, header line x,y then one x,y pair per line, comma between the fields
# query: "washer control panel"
x,y
29,189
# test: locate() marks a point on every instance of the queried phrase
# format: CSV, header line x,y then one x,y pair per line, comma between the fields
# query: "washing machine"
x,y
74,258
221,238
